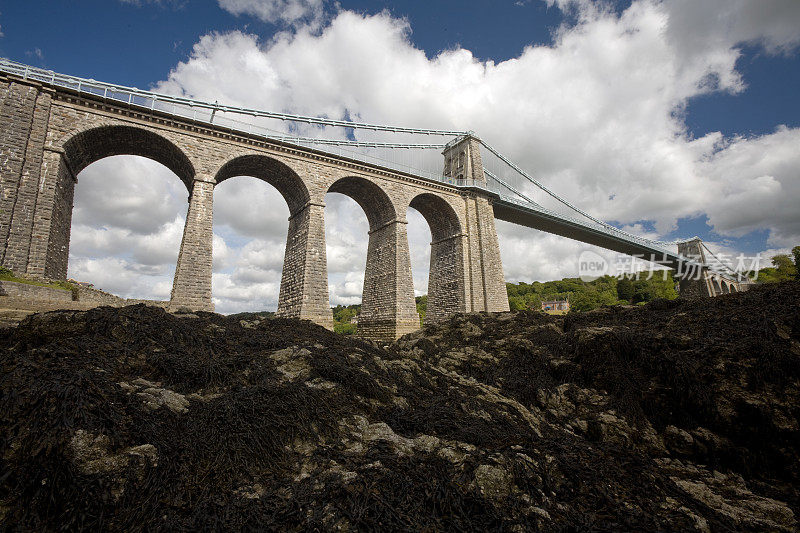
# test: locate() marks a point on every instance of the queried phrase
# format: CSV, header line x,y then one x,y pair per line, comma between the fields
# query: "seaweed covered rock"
x,y
677,416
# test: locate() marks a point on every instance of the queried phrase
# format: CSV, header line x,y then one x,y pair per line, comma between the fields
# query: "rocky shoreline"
x,y
678,415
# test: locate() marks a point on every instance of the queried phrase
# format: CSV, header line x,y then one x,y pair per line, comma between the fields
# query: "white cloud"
x,y
133,193
268,218
285,11
126,227
597,116
757,185
122,277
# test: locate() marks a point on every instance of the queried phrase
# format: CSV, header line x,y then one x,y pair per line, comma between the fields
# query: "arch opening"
x,y
387,297
124,227
717,287
98,143
419,247
300,257
374,201
272,171
251,219
346,241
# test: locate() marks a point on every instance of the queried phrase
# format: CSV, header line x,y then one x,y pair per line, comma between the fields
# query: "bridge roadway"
x,y
551,222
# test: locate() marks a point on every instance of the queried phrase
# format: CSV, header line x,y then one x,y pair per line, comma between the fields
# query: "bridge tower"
x,y
694,284
485,285
707,282
462,160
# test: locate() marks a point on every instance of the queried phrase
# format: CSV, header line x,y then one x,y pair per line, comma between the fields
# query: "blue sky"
x,y
137,44
672,118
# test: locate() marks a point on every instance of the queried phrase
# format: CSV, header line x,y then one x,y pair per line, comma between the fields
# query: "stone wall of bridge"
x,y
704,283
49,136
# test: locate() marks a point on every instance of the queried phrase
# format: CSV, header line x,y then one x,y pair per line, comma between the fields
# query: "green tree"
x,y
625,289
796,254
422,307
784,267
517,303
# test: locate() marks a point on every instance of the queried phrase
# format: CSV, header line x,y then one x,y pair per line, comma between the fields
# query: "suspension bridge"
x,y
58,124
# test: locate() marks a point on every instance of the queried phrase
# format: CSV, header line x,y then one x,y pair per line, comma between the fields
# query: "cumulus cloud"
x,y
597,115
123,277
273,11
126,227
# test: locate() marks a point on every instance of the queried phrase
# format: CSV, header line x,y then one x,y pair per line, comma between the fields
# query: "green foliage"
x,y
783,268
796,254
783,264
625,289
422,307
6,274
342,315
344,329
584,296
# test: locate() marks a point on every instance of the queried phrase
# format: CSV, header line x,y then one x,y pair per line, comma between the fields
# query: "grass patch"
x,y
8,275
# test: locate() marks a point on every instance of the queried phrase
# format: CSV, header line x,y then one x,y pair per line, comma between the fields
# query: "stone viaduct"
x,y
50,134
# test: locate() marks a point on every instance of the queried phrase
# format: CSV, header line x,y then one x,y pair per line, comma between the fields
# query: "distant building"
x,y
556,305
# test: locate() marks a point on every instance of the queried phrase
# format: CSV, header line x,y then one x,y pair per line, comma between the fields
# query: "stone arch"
x,y
734,288
278,174
48,256
387,300
716,286
446,291
100,142
377,205
726,287
304,285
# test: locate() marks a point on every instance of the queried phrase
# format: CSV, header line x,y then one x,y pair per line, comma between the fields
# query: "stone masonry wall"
x,y
304,283
694,286
27,112
446,279
49,253
17,102
494,284
192,285
12,289
485,281
388,309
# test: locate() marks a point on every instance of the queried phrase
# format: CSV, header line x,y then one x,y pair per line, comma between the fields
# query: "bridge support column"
x,y
694,284
192,285
485,285
388,310
446,281
24,113
51,222
304,283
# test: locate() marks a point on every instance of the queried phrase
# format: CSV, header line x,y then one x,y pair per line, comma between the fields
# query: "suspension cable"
x,y
509,187
49,76
565,202
732,270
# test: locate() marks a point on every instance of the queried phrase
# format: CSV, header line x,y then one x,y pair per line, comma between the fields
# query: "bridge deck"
x,y
550,222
